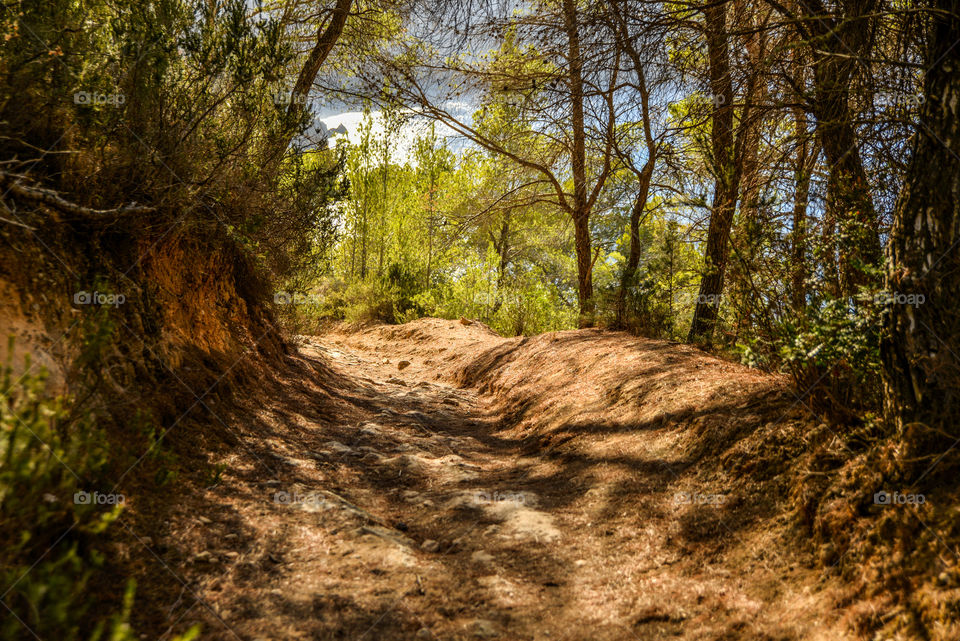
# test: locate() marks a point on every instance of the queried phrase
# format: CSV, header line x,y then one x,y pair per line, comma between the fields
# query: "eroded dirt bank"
x,y
573,486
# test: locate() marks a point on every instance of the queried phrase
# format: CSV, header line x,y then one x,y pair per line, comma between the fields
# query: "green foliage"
x,y
836,354
660,295
177,105
54,543
422,233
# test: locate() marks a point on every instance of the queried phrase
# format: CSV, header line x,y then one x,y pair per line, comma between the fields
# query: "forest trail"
x,y
369,502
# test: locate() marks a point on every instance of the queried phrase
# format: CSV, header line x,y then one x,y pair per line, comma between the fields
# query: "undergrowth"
x,y
55,532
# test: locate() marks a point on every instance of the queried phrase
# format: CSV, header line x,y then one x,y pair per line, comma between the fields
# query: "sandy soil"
x,y
436,481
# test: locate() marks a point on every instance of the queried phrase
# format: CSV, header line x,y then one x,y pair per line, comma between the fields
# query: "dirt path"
x,y
394,506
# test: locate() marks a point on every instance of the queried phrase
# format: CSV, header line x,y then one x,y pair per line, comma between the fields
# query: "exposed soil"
x,y
580,485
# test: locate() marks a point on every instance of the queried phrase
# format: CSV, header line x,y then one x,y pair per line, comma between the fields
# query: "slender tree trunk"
x,y
581,231
849,203
633,259
502,245
849,207
326,39
802,172
364,227
579,210
504,250
727,181
646,173
353,252
747,227
430,221
922,340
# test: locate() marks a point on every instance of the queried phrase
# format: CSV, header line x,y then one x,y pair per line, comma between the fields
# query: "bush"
x,y
833,352
53,542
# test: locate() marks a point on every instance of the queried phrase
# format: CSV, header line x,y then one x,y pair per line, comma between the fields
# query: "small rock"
x,y
403,365
430,545
338,446
483,629
371,429
481,556
424,633
396,381
828,553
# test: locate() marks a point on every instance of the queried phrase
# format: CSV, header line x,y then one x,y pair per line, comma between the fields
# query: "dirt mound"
x,y
577,485
600,390
153,306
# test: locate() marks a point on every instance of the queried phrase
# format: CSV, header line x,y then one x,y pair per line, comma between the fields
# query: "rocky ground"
x,y
436,481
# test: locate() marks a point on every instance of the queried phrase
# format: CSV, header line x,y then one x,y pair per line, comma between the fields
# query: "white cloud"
x,y
402,145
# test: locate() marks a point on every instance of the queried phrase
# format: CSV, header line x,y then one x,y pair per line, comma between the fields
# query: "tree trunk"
x,y
747,226
922,340
364,226
326,38
801,195
645,175
849,204
581,231
835,42
502,245
430,222
727,180
578,158
633,259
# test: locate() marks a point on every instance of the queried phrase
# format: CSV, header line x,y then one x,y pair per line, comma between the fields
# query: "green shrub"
x,y
834,353
52,540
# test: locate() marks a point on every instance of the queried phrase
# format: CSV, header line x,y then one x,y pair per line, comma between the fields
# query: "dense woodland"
x,y
774,181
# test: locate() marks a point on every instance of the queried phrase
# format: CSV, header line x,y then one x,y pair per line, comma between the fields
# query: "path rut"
x,y
397,509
